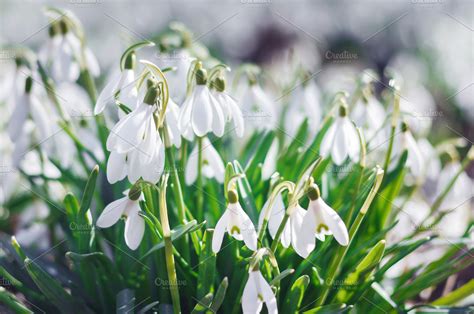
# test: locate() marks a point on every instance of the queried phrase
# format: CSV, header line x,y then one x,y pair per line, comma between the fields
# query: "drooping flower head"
x,y
230,108
341,139
236,223
256,292
129,208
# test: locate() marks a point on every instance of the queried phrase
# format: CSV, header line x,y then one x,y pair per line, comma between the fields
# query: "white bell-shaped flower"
x,y
201,113
121,86
414,159
305,103
320,220
231,110
258,109
28,105
462,189
369,114
236,223
292,229
212,164
136,147
129,208
341,139
256,292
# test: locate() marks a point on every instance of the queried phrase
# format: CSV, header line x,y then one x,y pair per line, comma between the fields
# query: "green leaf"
x,y
125,301
207,265
148,307
176,233
220,295
89,191
276,281
53,290
10,301
261,152
203,305
457,295
329,309
295,295
247,200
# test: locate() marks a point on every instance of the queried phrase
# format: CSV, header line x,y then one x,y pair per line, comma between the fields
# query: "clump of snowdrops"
x,y
183,186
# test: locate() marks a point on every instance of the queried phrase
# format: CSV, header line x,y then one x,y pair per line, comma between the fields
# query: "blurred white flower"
x,y
414,159
256,292
121,86
172,119
270,161
200,113
257,108
462,190
129,208
236,223
320,220
305,103
212,164
341,139
370,115
135,145
181,60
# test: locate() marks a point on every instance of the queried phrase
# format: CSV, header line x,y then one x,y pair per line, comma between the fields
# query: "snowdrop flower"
x,y
305,103
320,220
292,230
369,113
122,86
270,161
256,292
181,60
137,150
172,118
200,113
236,223
341,139
258,108
462,189
129,208
27,104
212,167
229,106
414,158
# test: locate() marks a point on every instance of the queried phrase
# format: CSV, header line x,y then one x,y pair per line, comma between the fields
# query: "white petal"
x,y
190,174
219,231
185,115
353,142
107,95
201,114
237,116
247,229
134,230
214,160
116,167
154,171
328,139
303,239
18,118
250,300
269,164
335,223
92,63
112,212
218,119
267,294
340,149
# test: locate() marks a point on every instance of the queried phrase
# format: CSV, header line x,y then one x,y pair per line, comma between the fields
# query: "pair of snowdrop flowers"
x,y
137,150
66,54
204,111
304,226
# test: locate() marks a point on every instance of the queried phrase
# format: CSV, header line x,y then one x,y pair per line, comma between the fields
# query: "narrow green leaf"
x,y
203,305
275,281
10,301
89,191
220,295
329,309
295,295
457,295
207,265
247,201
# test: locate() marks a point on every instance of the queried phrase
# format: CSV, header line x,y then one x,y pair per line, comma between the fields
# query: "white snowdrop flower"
x,y
129,208
270,161
369,114
121,86
212,167
256,292
236,223
292,229
258,109
305,103
231,110
28,105
414,159
172,118
462,189
200,113
341,139
181,60
135,145
320,220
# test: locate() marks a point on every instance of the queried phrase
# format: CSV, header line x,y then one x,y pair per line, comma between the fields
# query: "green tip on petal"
x,y
313,192
232,196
